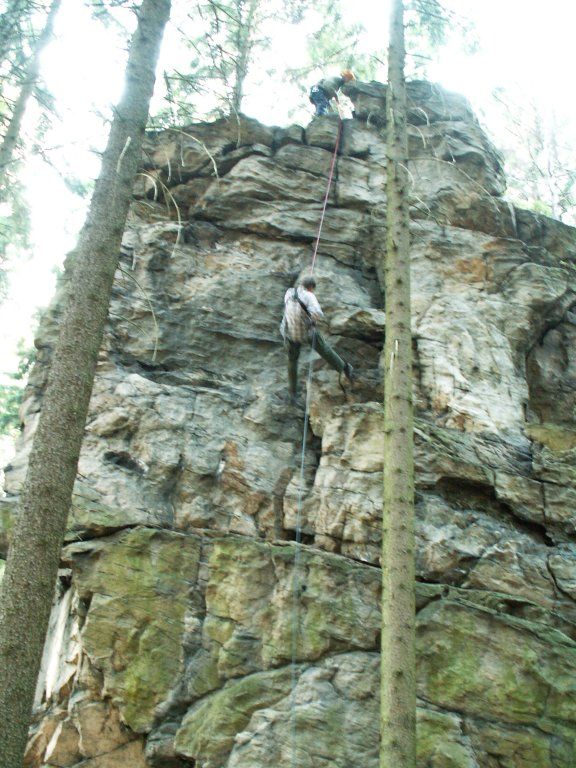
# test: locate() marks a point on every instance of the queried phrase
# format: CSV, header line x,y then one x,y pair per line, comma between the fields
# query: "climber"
x,y
327,89
301,314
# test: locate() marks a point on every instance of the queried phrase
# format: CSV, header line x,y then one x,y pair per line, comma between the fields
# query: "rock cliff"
x,y
172,632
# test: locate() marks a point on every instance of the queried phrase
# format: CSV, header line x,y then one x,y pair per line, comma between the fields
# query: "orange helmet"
x,y
347,75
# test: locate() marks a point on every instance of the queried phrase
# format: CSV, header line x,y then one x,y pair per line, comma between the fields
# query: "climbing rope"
x,y
296,586
327,195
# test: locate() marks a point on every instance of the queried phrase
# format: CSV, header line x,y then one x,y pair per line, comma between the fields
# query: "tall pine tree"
x,y
26,88
229,37
398,674
33,559
21,45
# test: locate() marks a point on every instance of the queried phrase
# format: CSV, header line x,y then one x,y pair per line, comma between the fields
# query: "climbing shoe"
x,y
349,372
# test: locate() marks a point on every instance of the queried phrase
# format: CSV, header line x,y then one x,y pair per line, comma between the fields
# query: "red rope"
x,y
326,196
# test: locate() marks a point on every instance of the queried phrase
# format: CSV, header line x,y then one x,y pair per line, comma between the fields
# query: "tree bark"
x,y
398,676
33,559
26,89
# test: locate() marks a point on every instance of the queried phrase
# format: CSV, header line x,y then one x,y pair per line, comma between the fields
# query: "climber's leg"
x,y
327,353
320,100
293,355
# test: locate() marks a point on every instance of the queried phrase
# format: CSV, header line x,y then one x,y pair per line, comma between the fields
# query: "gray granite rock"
x,y
177,614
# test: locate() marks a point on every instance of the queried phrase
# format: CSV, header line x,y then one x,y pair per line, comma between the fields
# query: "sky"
x,y
524,46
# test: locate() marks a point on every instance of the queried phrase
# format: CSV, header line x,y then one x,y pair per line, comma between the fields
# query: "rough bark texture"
x,y
26,89
32,564
398,676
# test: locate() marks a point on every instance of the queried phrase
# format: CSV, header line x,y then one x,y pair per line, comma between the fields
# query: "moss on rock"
x,y
249,599
440,741
135,623
486,664
208,730
553,436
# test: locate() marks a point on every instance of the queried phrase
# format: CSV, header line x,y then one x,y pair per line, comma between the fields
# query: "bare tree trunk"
x,y
33,559
398,676
245,42
26,89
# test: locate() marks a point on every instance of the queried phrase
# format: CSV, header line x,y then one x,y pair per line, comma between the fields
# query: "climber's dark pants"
x,y
321,346
320,100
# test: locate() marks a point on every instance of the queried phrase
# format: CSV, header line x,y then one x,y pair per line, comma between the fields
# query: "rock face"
x,y
178,615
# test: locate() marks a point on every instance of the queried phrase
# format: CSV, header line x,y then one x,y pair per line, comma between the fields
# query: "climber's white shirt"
x,y
294,325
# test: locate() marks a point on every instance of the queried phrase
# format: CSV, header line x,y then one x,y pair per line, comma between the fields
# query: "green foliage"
x,y
427,19
21,24
26,359
540,156
25,28
81,187
429,25
335,44
104,11
221,52
539,206
14,231
11,393
232,30
183,93
14,220
228,36
10,399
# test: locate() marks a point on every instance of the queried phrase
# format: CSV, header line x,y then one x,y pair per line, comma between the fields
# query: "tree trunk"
x,y
33,559
26,89
398,677
245,42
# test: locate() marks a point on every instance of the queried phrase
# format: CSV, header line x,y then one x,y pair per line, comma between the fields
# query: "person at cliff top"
x,y
327,89
302,312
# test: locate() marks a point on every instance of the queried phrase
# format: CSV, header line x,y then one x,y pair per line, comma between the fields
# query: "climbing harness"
x,y
296,586
309,319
